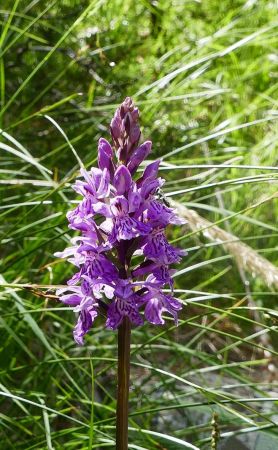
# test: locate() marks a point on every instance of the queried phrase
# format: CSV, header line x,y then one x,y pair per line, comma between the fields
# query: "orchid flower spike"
x,y
131,221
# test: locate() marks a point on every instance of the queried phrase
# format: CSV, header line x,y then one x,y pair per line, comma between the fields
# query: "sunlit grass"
x,y
203,74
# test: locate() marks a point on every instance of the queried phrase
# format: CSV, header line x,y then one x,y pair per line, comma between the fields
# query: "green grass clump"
x,y
204,77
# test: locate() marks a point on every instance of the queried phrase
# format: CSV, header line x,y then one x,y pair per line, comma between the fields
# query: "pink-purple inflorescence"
x,y
122,256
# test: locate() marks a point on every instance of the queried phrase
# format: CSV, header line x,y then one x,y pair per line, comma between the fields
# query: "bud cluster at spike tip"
x,y
122,255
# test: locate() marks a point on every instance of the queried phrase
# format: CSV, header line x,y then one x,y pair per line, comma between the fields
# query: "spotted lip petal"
x,y
158,249
161,215
121,308
100,266
157,303
83,325
125,227
161,272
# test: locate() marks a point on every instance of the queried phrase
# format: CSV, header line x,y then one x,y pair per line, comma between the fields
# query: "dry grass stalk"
x,y
245,256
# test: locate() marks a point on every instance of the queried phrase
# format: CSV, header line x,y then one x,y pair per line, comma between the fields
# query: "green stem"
x,y
91,434
124,333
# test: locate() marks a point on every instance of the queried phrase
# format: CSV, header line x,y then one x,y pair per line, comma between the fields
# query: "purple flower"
x,y
121,216
70,295
125,227
96,185
84,323
159,303
99,266
158,249
161,272
160,215
125,304
84,304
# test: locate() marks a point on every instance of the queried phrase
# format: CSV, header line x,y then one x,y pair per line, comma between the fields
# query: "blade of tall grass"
x,y
92,9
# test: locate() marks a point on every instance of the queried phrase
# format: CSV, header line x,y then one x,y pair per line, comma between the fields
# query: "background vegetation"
x,y
204,76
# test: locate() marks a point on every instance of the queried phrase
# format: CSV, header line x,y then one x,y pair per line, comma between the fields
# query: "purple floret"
x,y
121,215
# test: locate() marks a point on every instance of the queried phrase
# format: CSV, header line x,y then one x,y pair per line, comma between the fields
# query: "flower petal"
x,y
105,154
138,156
126,228
83,325
122,180
162,215
149,173
153,312
158,249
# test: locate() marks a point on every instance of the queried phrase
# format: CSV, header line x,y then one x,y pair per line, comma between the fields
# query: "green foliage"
x,y
203,74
